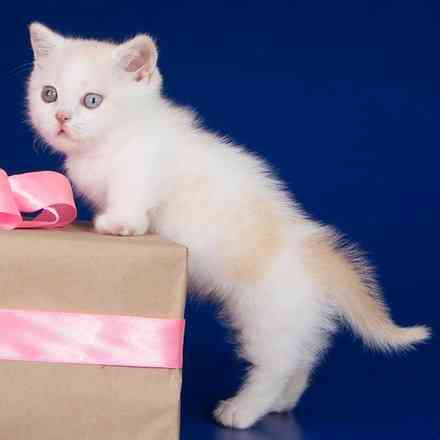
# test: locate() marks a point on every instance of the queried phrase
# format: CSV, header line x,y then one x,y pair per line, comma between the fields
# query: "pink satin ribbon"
x,y
30,192
79,338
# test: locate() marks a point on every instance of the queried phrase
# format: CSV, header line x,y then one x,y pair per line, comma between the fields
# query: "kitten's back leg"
x,y
255,398
293,391
281,327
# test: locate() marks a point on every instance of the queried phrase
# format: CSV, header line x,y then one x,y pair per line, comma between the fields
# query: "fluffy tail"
x,y
349,280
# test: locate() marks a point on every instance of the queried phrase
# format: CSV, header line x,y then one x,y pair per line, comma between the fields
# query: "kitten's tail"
x,y
350,282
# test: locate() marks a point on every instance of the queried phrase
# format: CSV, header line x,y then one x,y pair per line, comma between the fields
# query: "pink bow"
x,y
44,191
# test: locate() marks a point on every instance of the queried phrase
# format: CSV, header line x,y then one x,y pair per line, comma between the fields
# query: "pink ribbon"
x,y
37,336
44,191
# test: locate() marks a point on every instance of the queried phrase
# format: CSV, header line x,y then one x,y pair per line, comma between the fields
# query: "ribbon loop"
x,y
45,191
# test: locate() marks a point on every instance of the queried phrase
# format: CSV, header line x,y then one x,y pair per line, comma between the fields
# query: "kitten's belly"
x,y
204,273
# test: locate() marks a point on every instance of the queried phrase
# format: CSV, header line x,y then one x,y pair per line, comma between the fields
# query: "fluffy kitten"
x,y
147,166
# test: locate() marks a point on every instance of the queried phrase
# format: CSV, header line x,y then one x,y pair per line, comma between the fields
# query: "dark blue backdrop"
x,y
342,97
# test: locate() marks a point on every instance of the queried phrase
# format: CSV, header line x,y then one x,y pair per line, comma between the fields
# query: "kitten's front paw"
x,y
114,225
235,414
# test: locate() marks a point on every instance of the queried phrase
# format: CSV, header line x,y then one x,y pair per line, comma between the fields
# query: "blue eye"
x,y
92,100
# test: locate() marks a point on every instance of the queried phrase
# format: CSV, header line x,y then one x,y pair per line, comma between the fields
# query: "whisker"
x,y
39,145
21,67
35,147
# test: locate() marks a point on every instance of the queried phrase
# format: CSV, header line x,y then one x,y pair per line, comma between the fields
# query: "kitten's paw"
x,y
113,225
233,414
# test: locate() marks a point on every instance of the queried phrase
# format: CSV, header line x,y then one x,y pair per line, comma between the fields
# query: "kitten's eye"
x,y
49,94
92,100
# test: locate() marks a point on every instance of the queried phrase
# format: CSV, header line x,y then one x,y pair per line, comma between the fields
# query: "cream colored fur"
x,y
146,165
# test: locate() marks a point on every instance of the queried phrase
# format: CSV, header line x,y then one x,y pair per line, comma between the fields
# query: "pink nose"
x,y
63,117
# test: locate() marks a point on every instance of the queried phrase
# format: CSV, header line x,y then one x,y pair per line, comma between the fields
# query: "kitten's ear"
x,y
138,56
43,40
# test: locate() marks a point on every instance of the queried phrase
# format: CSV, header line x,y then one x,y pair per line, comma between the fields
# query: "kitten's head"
x,y
79,89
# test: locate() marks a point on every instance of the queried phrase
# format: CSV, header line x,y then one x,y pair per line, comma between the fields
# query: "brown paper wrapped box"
x,y
77,270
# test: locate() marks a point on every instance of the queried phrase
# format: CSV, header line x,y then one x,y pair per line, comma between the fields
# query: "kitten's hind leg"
x,y
293,391
278,333
255,398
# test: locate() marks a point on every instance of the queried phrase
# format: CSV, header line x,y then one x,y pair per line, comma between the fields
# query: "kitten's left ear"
x,y
138,56
43,40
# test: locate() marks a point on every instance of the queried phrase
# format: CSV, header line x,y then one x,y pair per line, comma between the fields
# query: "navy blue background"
x,y
343,99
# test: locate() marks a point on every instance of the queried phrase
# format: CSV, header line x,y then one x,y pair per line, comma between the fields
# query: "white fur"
x,y
146,165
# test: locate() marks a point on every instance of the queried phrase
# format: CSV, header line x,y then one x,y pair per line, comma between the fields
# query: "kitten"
x,y
147,166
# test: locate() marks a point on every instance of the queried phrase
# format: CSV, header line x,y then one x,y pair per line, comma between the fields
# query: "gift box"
x,y
63,294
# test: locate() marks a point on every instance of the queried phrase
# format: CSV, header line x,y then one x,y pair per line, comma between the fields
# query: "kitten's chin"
x,y
64,143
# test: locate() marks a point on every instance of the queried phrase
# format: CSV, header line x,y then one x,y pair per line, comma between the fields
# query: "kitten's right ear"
x,y
43,41
137,56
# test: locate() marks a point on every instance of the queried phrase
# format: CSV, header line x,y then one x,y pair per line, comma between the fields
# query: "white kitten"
x,y
146,165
